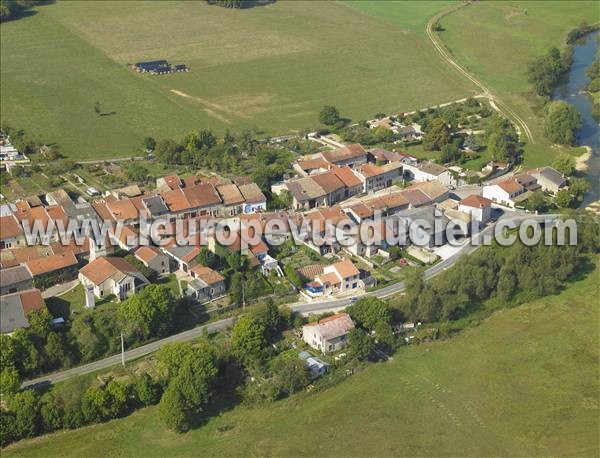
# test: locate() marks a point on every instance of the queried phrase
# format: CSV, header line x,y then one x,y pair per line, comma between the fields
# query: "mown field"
x,y
270,68
524,382
496,40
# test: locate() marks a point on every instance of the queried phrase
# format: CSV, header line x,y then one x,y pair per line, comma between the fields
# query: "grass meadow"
x,y
496,40
270,68
523,382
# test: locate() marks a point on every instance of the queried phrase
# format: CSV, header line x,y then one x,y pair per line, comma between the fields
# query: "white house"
x,y
336,278
428,171
112,275
504,193
480,208
549,179
328,334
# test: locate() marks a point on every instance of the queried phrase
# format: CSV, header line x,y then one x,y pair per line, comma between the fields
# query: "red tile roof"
x,y
476,201
51,263
100,269
9,227
206,274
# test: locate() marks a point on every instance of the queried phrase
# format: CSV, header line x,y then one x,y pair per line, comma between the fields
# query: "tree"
x,y
195,377
10,381
146,390
272,319
289,372
578,187
537,202
8,428
563,198
52,416
545,71
248,340
94,405
149,143
565,164
368,312
360,344
148,313
172,411
206,257
562,123
385,335
436,136
26,406
55,350
172,355
329,115
471,143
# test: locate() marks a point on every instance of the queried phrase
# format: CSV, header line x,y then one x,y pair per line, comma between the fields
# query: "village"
x,y
340,182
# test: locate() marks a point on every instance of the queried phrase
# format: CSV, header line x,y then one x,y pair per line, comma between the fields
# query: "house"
x,y
434,190
206,284
255,200
351,155
307,167
15,307
549,179
334,187
480,208
426,226
306,194
233,200
375,177
337,278
112,275
183,256
505,192
153,258
382,156
14,279
329,334
428,171
64,264
527,181
351,181
11,232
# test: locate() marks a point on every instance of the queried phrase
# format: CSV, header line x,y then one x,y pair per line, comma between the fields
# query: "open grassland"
x,y
496,40
524,382
270,68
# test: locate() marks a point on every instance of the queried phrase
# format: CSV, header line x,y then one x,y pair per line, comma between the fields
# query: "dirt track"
x,y
495,103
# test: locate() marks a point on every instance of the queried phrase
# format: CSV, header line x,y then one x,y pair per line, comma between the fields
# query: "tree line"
x,y
255,365
505,274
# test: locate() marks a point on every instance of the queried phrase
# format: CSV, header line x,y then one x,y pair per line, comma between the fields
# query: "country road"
x,y
495,102
308,307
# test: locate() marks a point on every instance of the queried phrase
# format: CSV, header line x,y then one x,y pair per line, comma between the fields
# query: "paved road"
x,y
306,307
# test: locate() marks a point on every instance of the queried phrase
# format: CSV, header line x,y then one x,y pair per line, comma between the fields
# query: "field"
x,y
270,68
496,40
524,382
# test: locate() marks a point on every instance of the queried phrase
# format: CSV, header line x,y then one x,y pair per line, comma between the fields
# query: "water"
x,y
572,91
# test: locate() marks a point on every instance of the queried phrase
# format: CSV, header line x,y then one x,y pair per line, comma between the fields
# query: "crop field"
x,y
269,68
524,382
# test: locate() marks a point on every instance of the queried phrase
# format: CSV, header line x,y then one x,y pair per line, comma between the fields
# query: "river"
x,y
572,91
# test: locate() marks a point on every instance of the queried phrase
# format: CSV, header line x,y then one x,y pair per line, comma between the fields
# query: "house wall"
x,y
160,264
480,214
498,195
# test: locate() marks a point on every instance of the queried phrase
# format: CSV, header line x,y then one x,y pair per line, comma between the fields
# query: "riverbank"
x,y
581,161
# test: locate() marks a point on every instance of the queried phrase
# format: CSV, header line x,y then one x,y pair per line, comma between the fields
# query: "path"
x,y
304,308
495,102
59,290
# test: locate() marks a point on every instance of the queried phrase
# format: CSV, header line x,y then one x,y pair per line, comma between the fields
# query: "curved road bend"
x,y
320,306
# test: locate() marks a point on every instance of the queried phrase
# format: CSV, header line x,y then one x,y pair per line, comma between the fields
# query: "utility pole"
x,y
122,350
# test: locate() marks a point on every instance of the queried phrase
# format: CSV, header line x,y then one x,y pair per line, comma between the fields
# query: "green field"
x,y
270,68
496,40
524,382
